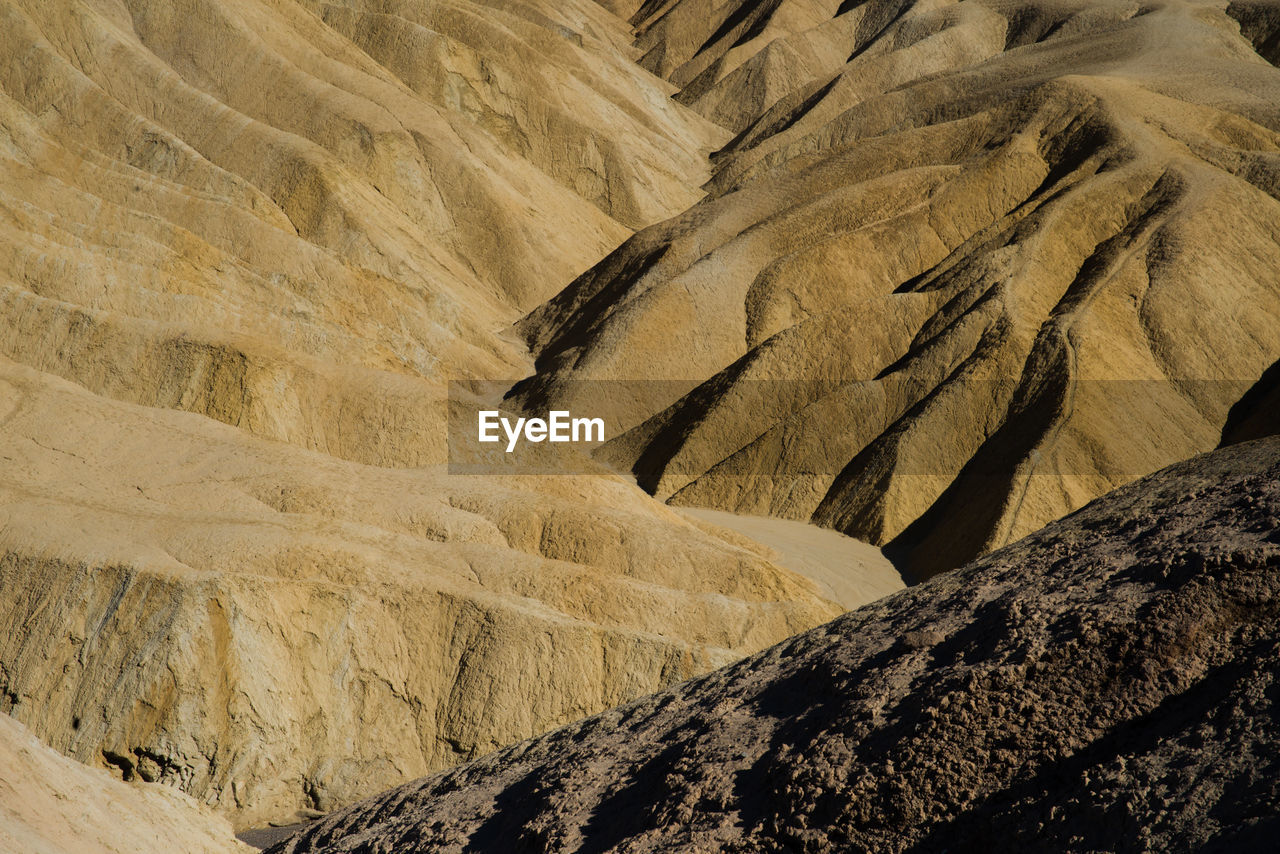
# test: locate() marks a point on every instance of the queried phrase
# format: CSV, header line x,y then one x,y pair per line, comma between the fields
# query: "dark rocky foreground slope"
x,y
1109,683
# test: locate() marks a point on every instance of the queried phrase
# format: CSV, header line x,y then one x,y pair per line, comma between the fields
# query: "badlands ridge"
x,y
929,274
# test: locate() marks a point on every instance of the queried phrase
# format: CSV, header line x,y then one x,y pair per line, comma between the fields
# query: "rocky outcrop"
x,y
1110,683
965,267
52,805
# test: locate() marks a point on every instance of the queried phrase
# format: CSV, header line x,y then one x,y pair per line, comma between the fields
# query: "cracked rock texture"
x,y
52,805
1110,683
965,266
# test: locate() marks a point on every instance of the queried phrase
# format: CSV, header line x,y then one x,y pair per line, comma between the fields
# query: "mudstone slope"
x,y
50,804
246,243
964,267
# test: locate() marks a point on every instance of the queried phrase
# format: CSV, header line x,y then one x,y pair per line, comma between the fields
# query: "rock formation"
x,y
1110,683
919,259
302,218
52,805
964,267
243,246
271,628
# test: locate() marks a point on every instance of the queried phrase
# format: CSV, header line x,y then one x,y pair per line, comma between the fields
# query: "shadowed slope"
x,y
1108,683
994,262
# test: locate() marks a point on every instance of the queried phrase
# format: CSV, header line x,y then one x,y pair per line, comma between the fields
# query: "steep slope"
x,y
1111,683
964,268
1257,414
846,571
52,805
301,219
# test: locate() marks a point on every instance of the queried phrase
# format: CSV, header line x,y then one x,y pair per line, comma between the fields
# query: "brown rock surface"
x,y
1110,683
52,805
965,267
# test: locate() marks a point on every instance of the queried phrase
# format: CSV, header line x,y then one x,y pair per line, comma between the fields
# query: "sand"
x,y
846,570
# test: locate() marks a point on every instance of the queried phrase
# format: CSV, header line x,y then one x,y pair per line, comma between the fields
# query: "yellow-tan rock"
x,y
270,628
52,805
243,247
301,219
979,265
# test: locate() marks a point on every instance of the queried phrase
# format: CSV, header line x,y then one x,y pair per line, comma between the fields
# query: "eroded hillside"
x,y
948,271
301,219
243,247
964,267
52,805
